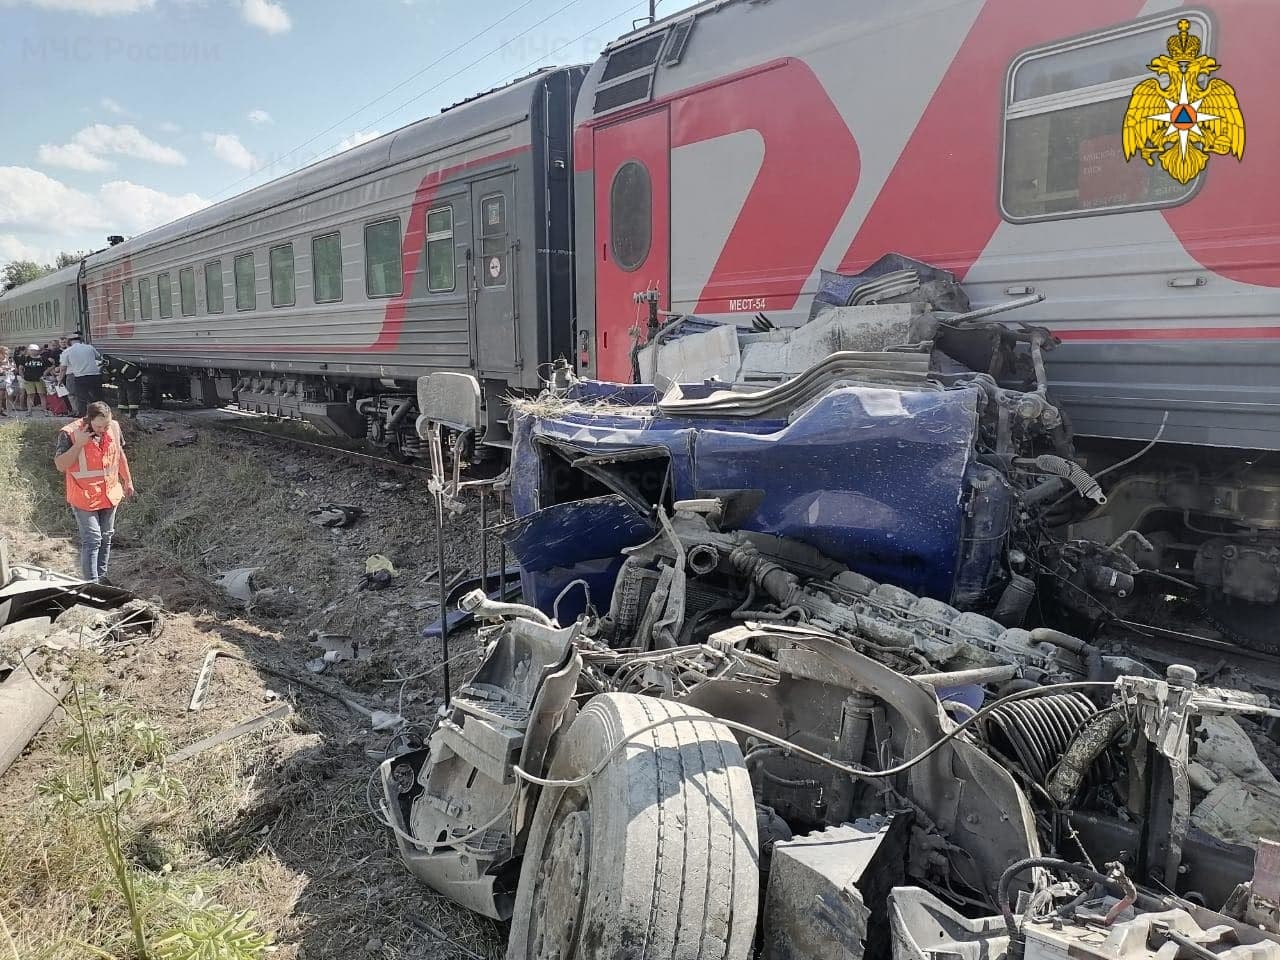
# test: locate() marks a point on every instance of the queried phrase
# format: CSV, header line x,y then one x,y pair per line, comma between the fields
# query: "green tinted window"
x,y
187,290
126,297
246,282
144,298
282,287
213,295
326,268
440,263
164,290
383,271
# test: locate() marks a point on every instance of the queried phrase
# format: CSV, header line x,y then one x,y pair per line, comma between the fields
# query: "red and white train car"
x,y
727,155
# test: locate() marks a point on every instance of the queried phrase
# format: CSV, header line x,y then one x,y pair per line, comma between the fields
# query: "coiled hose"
x,y
1038,732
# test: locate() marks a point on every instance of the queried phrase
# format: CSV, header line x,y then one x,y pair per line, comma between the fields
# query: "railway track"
x,y
235,423
1208,655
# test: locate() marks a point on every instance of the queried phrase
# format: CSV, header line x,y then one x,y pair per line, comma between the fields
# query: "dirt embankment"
x,y
277,822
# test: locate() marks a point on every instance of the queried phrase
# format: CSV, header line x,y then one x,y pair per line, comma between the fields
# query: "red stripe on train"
x,y
937,203
415,240
411,247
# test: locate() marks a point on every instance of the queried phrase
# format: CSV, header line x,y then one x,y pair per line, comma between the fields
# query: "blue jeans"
x,y
96,529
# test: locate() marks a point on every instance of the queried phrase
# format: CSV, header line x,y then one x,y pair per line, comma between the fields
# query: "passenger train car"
x,y
719,160
444,247
724,158
43,310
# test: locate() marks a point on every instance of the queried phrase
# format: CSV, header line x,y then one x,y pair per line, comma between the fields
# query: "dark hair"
x,y
95,410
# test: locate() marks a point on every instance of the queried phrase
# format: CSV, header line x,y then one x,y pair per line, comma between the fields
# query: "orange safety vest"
x,y
93,483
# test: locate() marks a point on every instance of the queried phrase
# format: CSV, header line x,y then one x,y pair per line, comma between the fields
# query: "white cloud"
x,y
135,208
101,8
168,126
36,202
267,15
355,138
127,140
73,156
32,202
14,248
112,106
89,148
228,148
259,118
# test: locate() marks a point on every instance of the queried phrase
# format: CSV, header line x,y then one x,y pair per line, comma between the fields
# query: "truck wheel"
x,y
654,858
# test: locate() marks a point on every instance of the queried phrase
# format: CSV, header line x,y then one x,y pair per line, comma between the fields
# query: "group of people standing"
x,y
64,377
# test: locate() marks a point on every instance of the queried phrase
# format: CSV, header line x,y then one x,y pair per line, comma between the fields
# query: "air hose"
x,y
1073,473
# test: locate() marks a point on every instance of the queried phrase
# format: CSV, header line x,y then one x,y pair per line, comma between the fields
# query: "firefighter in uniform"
x,y
127,377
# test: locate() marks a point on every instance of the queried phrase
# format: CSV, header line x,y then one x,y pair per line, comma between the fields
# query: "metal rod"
x,y
484,543
993,310
502,547
963,678
444,596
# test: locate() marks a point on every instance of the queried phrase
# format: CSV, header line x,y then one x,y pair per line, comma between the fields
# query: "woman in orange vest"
x,y
90,453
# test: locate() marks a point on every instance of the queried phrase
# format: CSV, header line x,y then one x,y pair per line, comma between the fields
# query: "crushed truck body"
x,y
784,685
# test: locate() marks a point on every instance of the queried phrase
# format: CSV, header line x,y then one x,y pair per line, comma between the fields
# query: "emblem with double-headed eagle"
x,y
1186,120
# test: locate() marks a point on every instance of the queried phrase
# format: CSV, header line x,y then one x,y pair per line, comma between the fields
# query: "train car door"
x,y
494,276
633,232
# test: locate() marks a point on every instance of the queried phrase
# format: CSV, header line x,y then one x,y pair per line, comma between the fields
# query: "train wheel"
x,y
654,857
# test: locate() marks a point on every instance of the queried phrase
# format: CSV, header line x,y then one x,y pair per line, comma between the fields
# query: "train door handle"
x,y
604,253
1180,282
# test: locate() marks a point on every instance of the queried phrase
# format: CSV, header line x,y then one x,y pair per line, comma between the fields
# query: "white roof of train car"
x,y
57,278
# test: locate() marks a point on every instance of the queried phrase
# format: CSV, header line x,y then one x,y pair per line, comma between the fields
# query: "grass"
x,y
275,822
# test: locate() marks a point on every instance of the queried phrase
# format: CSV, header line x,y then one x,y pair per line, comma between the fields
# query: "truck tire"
x,y
655,858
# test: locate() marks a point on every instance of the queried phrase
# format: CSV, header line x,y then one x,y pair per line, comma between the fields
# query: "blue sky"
x,y
119,115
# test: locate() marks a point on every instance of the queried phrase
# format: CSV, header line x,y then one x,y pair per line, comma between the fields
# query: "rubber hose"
x,y
1098,733
1087,652
1074,473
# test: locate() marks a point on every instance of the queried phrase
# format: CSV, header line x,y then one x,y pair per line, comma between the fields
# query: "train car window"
x,y
246,282
164,290
494,246
676,43
383,269
326,268
633,57
283,288
631,215
144,298
187,291
1064,111
215,297
441,268
126,299
627,77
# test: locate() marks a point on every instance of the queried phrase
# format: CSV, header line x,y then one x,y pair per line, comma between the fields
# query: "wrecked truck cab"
x,y
887,476
798,715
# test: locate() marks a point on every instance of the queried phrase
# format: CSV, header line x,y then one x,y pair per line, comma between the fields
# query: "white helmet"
x,y
35,347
